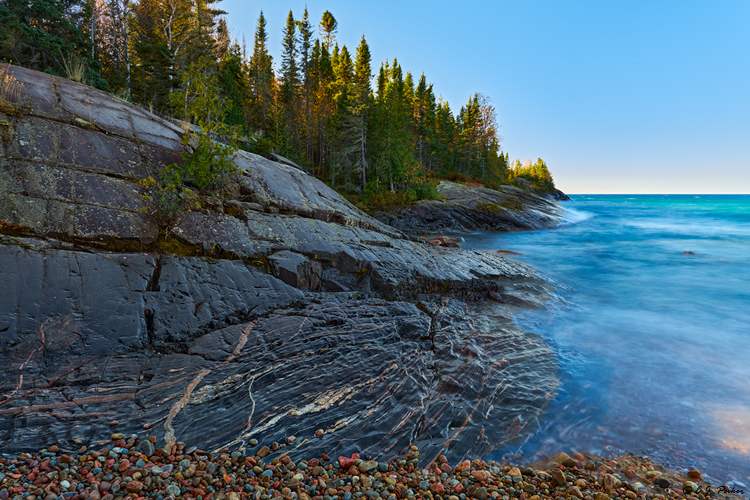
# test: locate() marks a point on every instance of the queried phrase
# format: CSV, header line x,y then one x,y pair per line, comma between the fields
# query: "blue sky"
x,y
617,97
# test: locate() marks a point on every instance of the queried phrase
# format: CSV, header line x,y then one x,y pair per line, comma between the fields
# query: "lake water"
x,y
651,327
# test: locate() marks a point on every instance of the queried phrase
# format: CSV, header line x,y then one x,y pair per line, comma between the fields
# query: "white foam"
x,y
573,216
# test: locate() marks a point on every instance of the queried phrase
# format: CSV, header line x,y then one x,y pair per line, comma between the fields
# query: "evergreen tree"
x,y
50,35
328,28
362,97
289,72
261,81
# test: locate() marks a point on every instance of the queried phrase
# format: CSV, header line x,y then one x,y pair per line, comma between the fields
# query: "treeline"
x,y
320,108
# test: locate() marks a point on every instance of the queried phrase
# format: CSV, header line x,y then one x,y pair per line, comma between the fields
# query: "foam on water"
x,y
651,328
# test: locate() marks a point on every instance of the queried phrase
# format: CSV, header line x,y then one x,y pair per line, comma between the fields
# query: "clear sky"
x,y
637,96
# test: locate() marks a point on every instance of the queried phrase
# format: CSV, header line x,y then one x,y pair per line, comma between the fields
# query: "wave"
x,y
573,216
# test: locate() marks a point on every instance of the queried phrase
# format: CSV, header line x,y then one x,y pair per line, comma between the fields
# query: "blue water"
x,y
653,342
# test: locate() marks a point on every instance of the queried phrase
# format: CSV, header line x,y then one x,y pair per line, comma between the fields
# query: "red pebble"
x,y
355,456
325,457
346,462
446,468
66,459
53,449
579,457
437,488
459,488
286,460
124,465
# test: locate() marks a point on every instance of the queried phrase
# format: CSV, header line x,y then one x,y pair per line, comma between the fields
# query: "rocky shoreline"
x,y
465,209
130,469
275,308
278,309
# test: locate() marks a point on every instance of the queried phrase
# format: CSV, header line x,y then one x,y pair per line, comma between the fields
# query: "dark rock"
x,y
219,345
296,270
471,208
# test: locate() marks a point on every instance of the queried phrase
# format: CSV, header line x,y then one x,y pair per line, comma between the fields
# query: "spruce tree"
x,y
328,28
261,80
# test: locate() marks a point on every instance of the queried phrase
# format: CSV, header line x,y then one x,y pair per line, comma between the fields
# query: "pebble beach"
x,y
133,469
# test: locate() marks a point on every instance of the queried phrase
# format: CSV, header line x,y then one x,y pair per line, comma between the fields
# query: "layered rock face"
x,y
471,208
288,311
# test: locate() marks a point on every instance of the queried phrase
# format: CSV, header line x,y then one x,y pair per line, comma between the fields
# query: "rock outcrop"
x,y
281,309
471,208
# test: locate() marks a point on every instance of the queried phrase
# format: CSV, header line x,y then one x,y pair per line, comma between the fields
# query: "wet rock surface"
x,y
471,208
288,312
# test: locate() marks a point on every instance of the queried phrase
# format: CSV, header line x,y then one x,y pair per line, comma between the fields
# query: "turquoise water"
x,y
651,326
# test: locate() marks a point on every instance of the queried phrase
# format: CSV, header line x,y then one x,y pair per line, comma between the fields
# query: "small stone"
x,y
265,450
437,488
464,466
575,491
366,467
320,432
481,493
53,449
134,486
117,436
610,482
601,496
514,472
559,477
689,487
694,474
630,473
444,467
480,475
174,490
147,447
661,482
